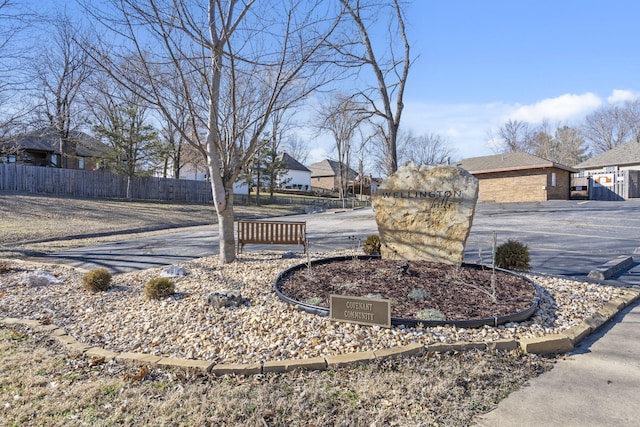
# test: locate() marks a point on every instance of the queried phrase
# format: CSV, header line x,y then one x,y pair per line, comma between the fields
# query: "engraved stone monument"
x,y
425,213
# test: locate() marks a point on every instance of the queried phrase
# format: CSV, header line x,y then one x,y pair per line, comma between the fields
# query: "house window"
x,y
553,179
54,159
9,159
81,163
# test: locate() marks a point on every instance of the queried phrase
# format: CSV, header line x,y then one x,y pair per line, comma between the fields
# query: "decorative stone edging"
x,y
396,321
548,344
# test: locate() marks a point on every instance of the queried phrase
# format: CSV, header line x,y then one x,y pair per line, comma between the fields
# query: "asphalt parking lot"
x,y
567,238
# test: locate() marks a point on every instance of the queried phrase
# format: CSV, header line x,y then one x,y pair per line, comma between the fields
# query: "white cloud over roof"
x,y
619,95
563,107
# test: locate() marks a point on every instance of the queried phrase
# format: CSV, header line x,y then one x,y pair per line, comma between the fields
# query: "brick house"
x,y
519,177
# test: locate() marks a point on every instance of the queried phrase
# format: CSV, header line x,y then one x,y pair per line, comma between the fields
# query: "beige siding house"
x,y
324,175
519,177
622,157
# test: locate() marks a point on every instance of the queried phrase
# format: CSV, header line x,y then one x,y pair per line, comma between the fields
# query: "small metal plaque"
x,y
361,310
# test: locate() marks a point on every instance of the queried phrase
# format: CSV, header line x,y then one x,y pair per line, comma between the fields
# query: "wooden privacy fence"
x,y
272,233
100,185
16,178
612,185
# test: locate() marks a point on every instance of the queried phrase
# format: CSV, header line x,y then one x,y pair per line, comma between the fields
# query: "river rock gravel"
x,y
184,325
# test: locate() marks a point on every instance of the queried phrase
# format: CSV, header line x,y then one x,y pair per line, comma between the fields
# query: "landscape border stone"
x,y
611,268
547,344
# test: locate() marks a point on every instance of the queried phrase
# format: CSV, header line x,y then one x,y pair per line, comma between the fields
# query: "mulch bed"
x,y
417,289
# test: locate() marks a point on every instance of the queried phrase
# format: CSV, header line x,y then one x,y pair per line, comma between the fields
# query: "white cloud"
x,y
619,95
561,108
465,126
469,127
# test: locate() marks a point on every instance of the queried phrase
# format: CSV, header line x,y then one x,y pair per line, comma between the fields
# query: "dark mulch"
x,y
457,292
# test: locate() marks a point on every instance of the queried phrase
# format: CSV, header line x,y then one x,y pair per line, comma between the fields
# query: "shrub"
x,y
431,314
371,245
513,255
159,287
97,280
4,268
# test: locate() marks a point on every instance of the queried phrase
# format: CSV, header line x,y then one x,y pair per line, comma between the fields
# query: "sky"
x,y
478,64
481,63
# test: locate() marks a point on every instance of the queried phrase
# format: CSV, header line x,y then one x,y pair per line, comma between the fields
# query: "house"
x,y
621,157
519,177
296,176
325,175
612,175
42,148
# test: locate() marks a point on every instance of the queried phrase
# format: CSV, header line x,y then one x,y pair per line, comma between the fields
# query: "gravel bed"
x,y
186,326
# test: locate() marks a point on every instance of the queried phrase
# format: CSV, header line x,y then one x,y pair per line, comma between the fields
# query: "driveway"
x,y
567,238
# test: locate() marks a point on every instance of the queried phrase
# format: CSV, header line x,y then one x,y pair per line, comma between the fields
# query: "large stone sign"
x,y
425,213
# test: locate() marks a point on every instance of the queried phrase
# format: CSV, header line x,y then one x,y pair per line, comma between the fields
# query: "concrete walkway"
x,y
598,384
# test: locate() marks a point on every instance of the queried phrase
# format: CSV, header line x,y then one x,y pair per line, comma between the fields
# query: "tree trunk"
x,y
128,188
225,231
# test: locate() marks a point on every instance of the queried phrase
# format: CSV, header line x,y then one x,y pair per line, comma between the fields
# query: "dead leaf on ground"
x,y
144,371
97,360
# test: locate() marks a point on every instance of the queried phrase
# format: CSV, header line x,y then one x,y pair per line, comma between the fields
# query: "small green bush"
x,y
159,287
97,280
371,245
513,255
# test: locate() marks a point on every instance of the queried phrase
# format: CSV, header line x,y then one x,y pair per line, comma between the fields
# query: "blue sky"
x,y
480,63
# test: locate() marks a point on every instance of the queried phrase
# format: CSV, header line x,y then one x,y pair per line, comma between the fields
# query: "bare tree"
x,y
558,143
384,99
631,114
427,149
515,136
341,117
250,59
608,127
62,69
16,39
542,142
297,148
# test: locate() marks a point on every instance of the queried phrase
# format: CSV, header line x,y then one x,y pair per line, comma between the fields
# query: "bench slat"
x,y
271,232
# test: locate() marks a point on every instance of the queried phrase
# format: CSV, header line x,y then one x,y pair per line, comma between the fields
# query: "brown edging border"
x,y
548,344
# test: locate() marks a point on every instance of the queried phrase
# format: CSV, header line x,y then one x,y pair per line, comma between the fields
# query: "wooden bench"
x,y
272,233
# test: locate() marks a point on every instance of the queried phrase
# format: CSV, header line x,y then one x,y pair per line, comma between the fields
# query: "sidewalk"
x,y
595,385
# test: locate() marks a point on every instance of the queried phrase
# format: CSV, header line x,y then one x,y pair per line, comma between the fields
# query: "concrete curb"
x,y
611,268
548,344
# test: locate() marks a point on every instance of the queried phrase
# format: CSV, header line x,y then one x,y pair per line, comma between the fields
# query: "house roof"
x,y
508,162
328,168
292,164
48,140
625,154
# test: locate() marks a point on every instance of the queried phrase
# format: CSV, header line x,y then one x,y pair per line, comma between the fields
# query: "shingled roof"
x,y
48,140
328,168
292,164
508,162
621,155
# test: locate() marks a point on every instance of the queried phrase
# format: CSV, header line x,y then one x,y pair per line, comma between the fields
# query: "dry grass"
x,y
32,224
40,384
